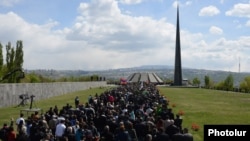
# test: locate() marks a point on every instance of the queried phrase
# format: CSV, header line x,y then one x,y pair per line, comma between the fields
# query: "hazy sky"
x,y
109,34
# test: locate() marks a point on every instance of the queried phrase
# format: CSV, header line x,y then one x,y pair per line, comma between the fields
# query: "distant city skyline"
x,y
110,34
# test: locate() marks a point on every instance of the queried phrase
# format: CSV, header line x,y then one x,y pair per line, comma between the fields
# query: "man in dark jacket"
x,y
161,135
187,136
122,135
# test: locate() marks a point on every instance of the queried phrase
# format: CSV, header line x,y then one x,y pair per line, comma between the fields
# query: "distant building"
x,y
144,77
185,82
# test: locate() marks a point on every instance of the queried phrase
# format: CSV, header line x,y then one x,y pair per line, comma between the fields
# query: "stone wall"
x,y
9,93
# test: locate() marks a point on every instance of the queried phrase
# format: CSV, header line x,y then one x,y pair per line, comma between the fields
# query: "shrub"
x,y
173,105
181,113
195,127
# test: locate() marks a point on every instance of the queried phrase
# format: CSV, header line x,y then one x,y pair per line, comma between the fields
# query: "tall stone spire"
x,y
177,69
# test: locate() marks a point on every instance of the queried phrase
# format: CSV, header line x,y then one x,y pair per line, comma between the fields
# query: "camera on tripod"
x,y
24,96
32,96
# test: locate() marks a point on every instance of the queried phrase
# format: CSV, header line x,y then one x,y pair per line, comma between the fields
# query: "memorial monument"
x,y
177,67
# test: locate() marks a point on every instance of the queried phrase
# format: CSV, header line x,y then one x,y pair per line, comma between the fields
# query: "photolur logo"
x,y
226,132
215,132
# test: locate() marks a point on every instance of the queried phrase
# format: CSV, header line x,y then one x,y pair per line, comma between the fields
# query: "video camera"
x,y
24,96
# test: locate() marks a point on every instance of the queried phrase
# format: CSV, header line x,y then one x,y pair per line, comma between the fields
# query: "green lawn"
x,y
7,113
200,106
203,106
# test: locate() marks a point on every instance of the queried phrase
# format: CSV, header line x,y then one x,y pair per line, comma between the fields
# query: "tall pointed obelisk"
x,y
177,69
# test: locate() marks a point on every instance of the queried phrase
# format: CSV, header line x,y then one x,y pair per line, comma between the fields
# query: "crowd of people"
x,y
131,112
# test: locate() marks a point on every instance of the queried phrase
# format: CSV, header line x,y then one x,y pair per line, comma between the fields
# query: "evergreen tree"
x,y
10,54
14,62
229,82
18,61
207,81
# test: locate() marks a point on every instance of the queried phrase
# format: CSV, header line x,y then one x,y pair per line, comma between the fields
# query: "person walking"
x,y
187,136
77,101
60,129
11,135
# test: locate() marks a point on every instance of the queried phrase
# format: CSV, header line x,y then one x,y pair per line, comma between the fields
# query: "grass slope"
x,y
203,106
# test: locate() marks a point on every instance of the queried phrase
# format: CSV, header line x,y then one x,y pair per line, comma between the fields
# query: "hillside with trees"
x,y
11,71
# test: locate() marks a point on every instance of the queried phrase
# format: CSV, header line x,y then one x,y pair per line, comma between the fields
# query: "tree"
x,y
18,61
229,83
220,85
33,78
196,81
207,81
10,54
245,85
14,62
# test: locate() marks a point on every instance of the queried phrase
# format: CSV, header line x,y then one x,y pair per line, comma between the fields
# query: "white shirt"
x,y
18,120
60,129
149,111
